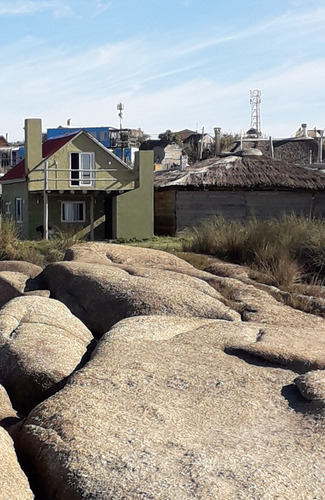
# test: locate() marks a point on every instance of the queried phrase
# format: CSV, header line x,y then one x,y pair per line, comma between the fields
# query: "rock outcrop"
x,y
19,266
101,295
41,343
201,384
162,411
14,483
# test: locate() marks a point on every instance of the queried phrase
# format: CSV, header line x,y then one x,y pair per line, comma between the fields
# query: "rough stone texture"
x,y
41,343
14,484
6,410
15,284
12,285
107,253
283,330
101,295
163,412
312,386
19,266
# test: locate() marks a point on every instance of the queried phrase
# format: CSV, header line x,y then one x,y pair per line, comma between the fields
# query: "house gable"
x,y
108,172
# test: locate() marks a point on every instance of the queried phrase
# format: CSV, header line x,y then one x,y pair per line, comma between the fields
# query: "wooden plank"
x,y
165,219
195,206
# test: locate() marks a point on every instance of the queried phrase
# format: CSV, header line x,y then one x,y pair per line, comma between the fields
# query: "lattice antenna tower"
x,y
120,108
255,101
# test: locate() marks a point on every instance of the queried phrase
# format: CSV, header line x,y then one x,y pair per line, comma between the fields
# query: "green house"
x,y
74,183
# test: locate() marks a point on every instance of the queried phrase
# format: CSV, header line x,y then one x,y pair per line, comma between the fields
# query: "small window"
x,y
82,169
7,208
19,210
73,211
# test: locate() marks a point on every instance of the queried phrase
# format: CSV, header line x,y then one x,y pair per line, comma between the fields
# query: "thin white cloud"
x,y
25,7
169,86
308,21
58,8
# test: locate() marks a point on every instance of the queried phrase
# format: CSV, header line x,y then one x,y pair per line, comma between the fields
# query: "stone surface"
x,y
14,484
41,343
15,284
163,412
12,284
19,266
312,386
101,295
6,409
107,253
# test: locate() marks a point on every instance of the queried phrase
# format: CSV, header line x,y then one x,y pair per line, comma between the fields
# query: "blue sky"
x,y
174,64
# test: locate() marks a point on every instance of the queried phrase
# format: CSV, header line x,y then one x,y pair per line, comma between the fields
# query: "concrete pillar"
x,y
33,143
217,138
304,129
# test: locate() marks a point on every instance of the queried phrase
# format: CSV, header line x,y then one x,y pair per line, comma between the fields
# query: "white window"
x,y
18,209
82,169
73,211
7,208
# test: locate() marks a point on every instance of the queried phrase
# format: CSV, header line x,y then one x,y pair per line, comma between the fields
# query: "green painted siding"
x,y
133,211
110,174
126,215
55,214
9,194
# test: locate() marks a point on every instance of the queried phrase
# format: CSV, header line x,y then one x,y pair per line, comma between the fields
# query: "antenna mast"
x,y
120,108
255,101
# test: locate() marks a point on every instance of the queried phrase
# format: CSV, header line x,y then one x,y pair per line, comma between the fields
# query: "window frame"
x,y
7,208
77,175
19,210
73,202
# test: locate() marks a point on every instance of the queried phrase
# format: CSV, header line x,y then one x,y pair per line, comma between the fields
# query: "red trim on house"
x,y
49,147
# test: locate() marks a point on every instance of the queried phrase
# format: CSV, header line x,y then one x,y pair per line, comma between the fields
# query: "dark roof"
x,y
154,143
245,172
193,137
184,134
49,147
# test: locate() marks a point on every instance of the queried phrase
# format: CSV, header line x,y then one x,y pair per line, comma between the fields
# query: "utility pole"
x,y
46,204
201,144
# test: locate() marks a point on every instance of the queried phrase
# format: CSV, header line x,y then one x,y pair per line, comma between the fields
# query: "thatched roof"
x,y
245,172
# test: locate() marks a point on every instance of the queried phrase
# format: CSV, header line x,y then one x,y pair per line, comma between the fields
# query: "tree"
x,y
171,137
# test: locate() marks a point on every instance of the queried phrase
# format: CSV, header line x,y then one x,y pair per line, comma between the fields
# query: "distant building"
x,y
166,154
123,142
73,181
10,154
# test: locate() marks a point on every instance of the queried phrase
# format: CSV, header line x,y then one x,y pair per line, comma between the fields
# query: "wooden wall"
x,y
165,213
175,210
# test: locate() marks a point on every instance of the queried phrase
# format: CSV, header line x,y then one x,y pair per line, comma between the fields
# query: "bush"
x,y
39,252
287,250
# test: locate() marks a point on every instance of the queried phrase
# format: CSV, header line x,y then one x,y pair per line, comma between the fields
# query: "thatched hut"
x,y
237,186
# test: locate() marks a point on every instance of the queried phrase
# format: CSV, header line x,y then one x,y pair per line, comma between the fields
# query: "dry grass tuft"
x,y
39,252
286,251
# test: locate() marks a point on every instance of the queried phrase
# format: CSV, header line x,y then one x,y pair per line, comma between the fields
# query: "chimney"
x,y
33,143
304,129
217,137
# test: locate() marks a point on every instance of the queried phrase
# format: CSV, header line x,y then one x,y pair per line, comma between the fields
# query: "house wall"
x,y
133,211
175,210
173,154
9,193
36,204
110,174
165,213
